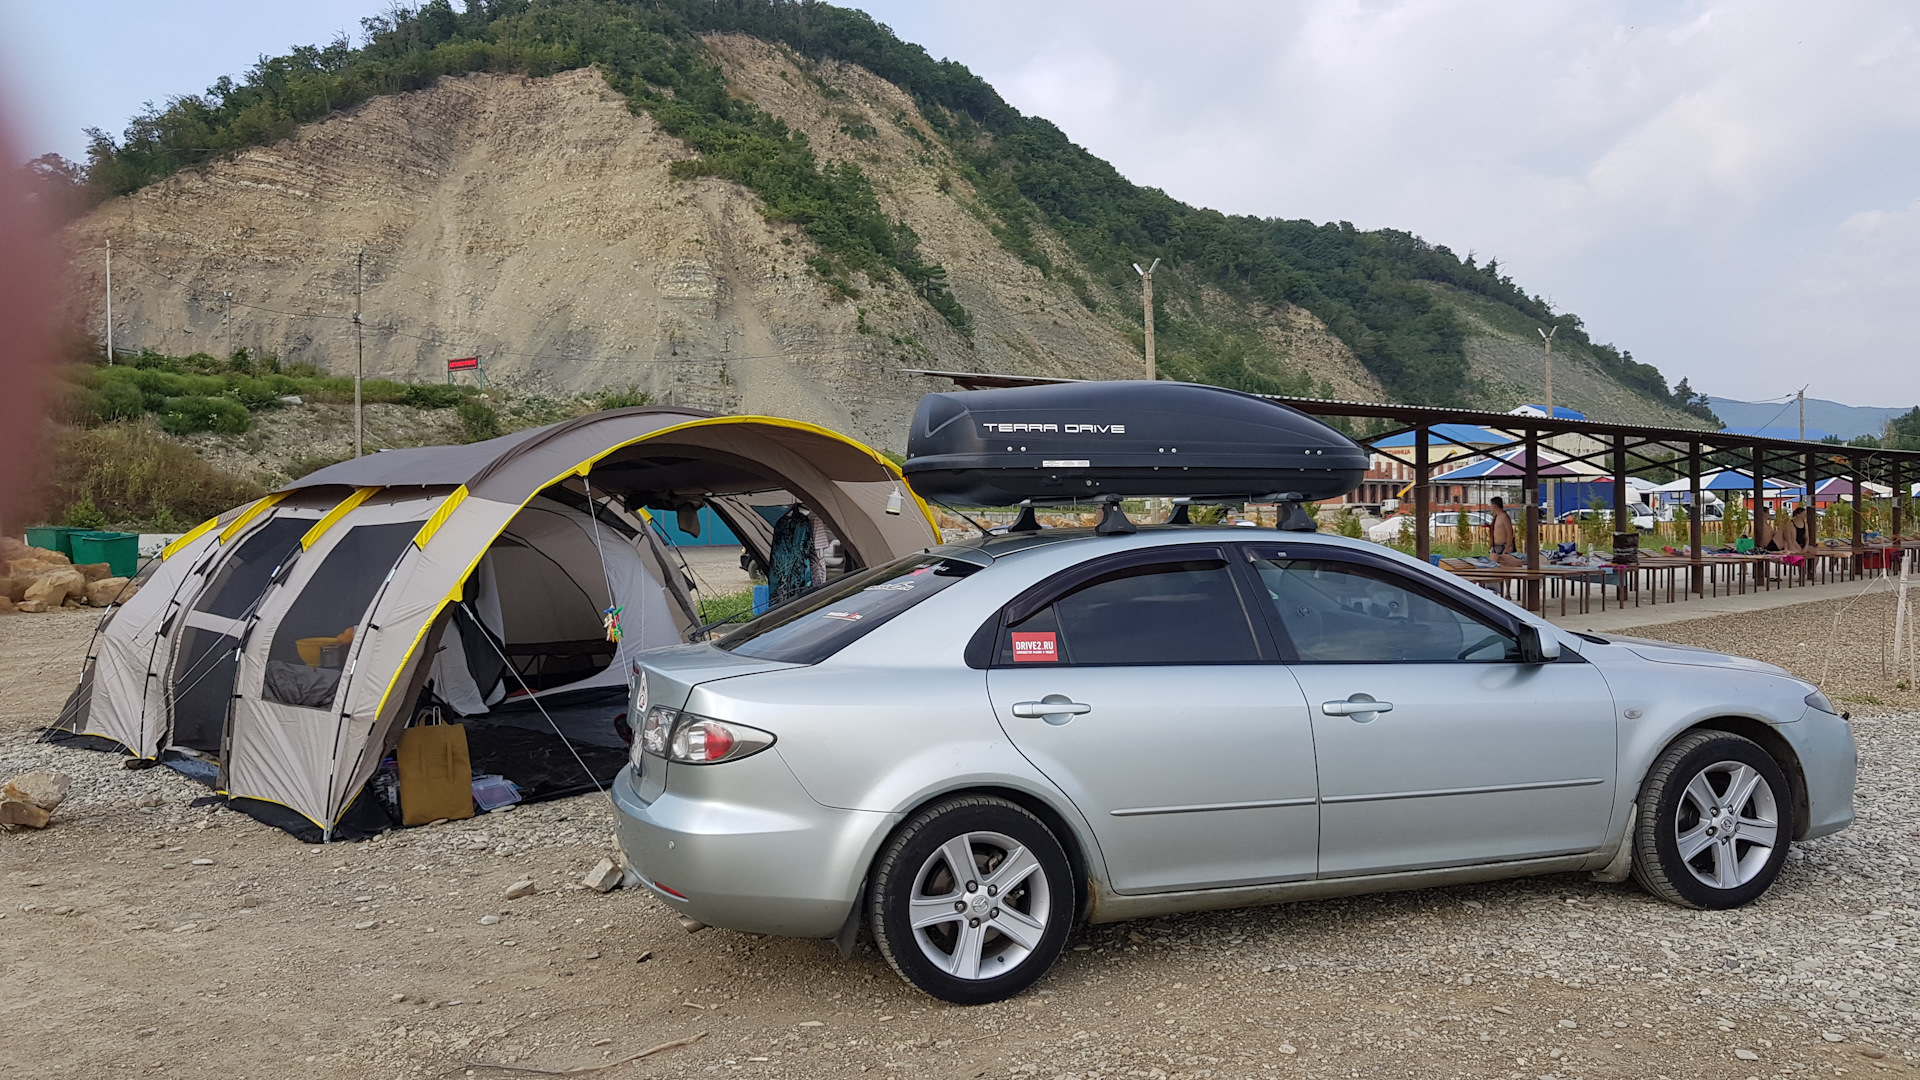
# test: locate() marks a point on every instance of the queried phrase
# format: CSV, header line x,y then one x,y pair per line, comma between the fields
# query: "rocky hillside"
x,y
533,222
745,222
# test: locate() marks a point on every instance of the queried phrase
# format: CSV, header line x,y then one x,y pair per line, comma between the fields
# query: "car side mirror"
x,y
1537,648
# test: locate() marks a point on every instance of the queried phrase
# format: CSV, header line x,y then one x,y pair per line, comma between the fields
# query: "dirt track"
x,y
126,955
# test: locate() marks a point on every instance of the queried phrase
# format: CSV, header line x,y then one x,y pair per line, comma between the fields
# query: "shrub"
x,y
190,414
435,395
84,515
478,421
622,399
126,474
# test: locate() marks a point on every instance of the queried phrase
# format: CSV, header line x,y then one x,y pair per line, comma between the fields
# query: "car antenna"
x,y
1026,522
1180,515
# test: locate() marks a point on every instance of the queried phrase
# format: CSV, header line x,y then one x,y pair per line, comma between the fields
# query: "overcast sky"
x,y
1729,190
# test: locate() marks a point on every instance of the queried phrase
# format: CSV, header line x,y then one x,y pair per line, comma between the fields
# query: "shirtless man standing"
x,y
1502,527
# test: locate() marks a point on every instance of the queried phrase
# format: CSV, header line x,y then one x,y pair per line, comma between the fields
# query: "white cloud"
x,y
1725,187
1678,174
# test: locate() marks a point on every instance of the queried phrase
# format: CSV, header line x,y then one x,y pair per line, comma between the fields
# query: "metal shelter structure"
x,y
1625,450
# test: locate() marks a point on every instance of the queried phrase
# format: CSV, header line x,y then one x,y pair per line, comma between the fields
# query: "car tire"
x,y
1694,848
975,944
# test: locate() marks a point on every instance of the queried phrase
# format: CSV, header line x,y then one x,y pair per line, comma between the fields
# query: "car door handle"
x,y
1357,705
1053,705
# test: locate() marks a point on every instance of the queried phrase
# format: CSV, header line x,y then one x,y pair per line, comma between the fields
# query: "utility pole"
x,y
109,302
359,360
1146,287
1547,336
1802,396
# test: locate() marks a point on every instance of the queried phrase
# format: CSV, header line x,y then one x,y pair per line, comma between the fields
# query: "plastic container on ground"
x,y
120,551
492,791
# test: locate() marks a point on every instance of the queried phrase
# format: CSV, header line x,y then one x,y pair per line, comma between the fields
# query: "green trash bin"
x,y
120,551
53,538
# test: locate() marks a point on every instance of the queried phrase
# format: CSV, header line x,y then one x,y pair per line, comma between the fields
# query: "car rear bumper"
x,y
742,846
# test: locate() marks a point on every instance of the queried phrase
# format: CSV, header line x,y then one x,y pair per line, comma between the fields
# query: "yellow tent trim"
x,y
892,472
346,506
233,528
440,517
199,531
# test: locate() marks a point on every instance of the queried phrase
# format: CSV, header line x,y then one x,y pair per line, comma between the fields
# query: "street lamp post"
x,y
1547,336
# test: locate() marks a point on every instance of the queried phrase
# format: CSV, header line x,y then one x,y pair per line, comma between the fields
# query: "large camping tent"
x,y
281,648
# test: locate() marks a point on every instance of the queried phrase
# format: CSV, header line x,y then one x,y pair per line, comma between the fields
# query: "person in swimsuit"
x,y
1502,527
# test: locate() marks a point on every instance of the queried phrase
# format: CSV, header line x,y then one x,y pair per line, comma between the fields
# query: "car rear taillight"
x,y
700,740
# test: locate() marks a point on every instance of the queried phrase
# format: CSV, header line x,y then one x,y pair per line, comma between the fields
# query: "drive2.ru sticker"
x,y
1034,648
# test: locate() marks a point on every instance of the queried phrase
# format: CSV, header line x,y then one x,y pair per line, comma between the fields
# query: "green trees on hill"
x,y
646,51
1372,288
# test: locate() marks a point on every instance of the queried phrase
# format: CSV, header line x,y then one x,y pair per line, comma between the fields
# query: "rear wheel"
x,y
1715,818
972,900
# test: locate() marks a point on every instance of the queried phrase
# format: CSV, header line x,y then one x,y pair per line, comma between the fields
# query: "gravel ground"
x,y
190,941
1842,644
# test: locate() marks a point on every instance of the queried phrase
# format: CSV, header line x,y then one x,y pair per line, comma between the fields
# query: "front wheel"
x,y
1715,818
972,900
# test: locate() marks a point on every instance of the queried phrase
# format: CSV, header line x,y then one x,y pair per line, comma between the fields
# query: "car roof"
x,y
1005,545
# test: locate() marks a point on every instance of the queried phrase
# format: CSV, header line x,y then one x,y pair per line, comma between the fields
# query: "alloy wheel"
x,y
1727,825
980,905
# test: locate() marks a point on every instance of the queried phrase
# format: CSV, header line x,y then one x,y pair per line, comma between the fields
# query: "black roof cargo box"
x,y
1081,441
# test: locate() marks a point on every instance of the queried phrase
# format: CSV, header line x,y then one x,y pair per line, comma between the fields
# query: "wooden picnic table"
x,y
1586,576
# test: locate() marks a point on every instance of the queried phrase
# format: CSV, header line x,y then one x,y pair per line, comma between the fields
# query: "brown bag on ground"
x,y
436,776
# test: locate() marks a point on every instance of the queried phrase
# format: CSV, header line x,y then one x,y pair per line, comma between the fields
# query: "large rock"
x,y
53,587
32,607
6,605
14,588
43,788
94,571
29,800
108,590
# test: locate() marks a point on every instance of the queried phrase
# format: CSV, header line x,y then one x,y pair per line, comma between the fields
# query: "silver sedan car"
x,y
972,748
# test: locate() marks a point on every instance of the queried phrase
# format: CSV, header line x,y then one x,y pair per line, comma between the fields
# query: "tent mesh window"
x,y
207,665
310,648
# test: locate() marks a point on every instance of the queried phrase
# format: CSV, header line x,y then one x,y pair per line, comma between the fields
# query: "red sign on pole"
x,y
463,363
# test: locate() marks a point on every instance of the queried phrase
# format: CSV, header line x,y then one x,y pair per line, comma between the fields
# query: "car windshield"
x,y
810,628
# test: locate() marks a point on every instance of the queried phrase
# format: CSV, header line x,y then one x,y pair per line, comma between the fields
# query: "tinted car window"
x,y
810,628
1344,612
1186,612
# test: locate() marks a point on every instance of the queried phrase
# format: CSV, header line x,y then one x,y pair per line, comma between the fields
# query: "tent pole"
x,y
1422,542
1695,527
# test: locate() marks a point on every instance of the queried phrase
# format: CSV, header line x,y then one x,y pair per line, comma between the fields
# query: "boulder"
x,y
53,588
31,607
42,788
17,814
106,591
29,800
11,549
13,588
94,571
